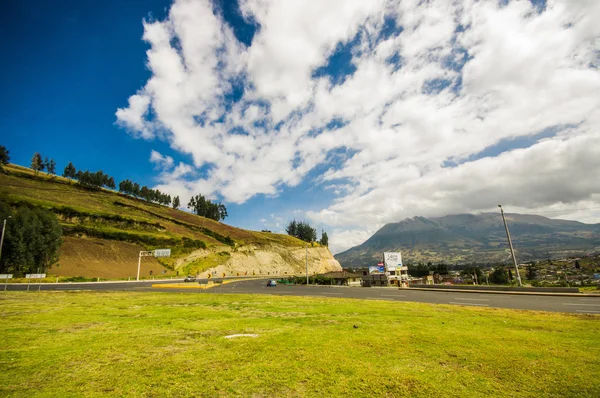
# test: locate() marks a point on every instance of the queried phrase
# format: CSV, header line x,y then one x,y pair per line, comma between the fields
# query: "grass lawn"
x,y
60,344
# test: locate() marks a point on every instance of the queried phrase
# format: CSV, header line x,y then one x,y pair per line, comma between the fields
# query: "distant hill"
x,y
104,231
466,238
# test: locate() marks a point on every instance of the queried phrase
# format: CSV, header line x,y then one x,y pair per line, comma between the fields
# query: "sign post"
x,y
35,276
152,253
6,277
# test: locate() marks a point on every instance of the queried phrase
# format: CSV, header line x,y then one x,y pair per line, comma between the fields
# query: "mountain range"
x,y
468,238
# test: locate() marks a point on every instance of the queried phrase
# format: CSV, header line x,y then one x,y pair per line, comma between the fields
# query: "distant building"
x,y
344,278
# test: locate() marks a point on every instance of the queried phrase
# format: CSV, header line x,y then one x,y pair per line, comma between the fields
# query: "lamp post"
x,y
512,252
2,238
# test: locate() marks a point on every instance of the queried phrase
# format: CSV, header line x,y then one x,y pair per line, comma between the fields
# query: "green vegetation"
x,y
204,263
4,157
32,238
151,195
324,239
37,164
301,230
140,345
206,208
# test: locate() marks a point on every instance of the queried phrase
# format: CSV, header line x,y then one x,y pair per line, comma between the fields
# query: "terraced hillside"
x,y
104,231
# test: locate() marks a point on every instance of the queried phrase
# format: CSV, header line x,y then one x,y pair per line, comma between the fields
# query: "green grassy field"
x,y
58,344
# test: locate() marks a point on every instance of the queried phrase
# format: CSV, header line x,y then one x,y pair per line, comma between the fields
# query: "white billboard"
x,y
162,253
392,260
35,276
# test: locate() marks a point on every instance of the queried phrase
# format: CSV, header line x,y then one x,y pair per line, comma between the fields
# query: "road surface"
x,y
584,304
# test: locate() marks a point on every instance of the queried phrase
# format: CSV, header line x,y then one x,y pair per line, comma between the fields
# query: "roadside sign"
x,y
35,276
162,253
6,276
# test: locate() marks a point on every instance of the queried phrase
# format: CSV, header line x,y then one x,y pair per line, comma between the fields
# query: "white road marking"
x,y
393,295
480,305
470,299
579,305
331,293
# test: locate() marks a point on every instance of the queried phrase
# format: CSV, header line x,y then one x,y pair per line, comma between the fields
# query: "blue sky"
x,y
73,64
347,113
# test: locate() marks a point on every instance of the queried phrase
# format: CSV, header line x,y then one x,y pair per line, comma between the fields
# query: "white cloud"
x,y
133,117
161,161
524,71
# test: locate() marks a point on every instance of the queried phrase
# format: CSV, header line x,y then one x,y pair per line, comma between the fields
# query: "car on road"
x,y
189,278
272,283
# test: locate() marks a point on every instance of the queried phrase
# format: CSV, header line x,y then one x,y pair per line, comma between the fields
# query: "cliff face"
x,y
271,259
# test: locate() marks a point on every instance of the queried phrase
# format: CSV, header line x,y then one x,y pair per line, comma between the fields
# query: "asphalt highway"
x,y
580,304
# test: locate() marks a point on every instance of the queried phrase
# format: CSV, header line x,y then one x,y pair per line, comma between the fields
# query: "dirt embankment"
x,y
266,260
100,258
91,257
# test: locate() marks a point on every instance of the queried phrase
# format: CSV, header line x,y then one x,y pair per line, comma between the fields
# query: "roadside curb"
x,y
502,292
192,286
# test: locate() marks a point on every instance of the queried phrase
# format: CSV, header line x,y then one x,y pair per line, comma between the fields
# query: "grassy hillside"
x,y
103,226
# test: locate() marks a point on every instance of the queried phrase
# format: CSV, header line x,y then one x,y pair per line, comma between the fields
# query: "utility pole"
x,y
512,252
2,238
307,264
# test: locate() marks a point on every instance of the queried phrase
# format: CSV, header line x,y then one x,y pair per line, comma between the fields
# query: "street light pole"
x,y
139,265
512,252
2,238
307,264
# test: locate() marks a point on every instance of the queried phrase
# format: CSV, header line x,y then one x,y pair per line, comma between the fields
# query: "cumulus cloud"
x,y
161,161
404,132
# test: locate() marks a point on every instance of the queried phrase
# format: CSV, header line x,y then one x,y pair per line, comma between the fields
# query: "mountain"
x,y
104,231
464,238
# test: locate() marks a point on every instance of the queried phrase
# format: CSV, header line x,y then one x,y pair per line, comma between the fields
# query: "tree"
x,y
110,183
4,156
442,269
222,211
302,230
475,273
292,228
70,171
324,239
37,164
176,202
577,265
51,166
532,272
499,276
33,237
206,208
510,275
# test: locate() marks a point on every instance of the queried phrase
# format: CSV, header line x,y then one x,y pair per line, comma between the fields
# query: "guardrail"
x,y
502,288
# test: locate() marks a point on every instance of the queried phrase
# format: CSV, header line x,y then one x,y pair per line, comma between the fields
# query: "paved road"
x,y
583,304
